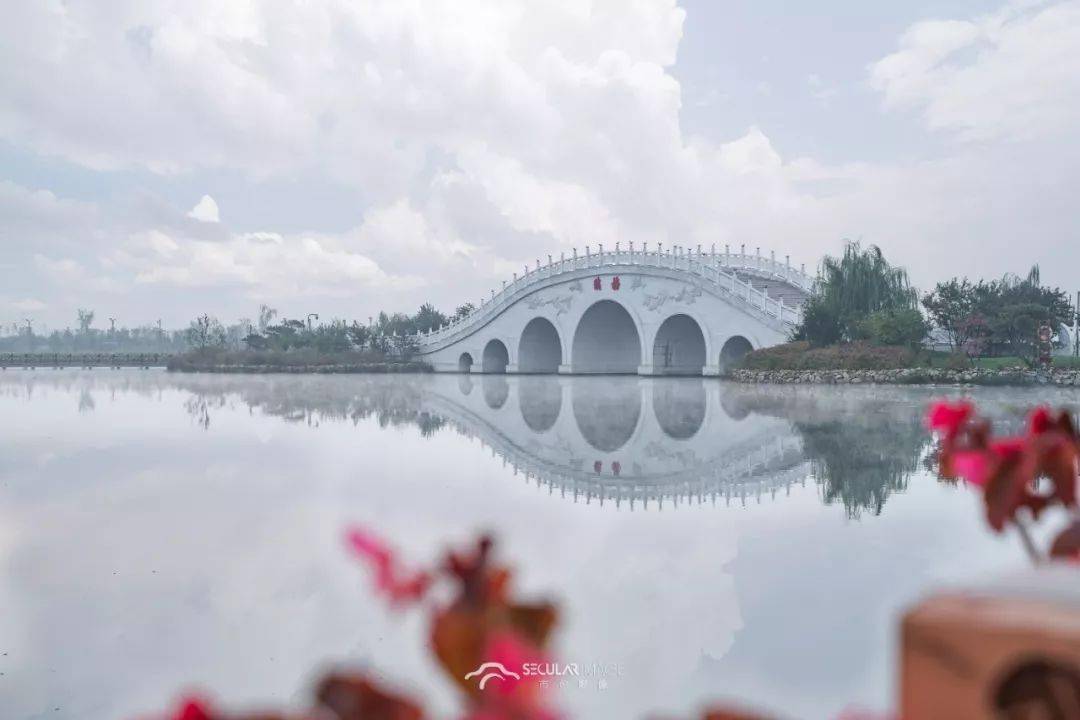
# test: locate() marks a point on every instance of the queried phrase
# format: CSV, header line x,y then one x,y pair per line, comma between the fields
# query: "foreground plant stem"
x,y
1025,538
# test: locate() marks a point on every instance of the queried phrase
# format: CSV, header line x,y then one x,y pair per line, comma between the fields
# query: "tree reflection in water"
x,y
863,443
859,462
313,398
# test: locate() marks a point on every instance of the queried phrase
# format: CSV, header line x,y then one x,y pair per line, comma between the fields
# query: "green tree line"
x,y
861,296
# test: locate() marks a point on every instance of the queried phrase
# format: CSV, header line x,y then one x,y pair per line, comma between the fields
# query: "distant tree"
x,y
1018,298
998,316
331,337
463,311
820,323
851,287
428,318
951,306
359,335
266,316
255,341
86,319
902,326
288,334
205,332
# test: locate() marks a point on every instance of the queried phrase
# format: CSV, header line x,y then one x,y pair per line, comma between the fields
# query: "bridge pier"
x,y
710,370
564,369
648,369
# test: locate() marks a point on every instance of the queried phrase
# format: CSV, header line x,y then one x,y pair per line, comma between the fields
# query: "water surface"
x,y
159,532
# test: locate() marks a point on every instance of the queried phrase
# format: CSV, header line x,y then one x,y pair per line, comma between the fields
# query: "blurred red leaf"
x,y
458,638
533,622
1067,544
1009,469
400,587
355,697
948,418
193,709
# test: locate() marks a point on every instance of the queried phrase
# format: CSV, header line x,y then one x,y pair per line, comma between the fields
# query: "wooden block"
x,y
995,653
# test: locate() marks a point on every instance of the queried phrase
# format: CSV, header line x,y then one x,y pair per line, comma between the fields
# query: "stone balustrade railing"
x,y
720,269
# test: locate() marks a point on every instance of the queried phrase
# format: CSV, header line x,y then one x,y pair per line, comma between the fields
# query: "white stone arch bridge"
x,y
639,311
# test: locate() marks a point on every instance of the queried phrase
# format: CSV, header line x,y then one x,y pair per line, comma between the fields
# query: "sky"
x,y
164,160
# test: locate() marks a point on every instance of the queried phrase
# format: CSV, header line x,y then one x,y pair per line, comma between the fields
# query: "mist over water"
x,y
162,531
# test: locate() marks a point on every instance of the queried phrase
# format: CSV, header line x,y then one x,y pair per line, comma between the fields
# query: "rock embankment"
x,y
909,376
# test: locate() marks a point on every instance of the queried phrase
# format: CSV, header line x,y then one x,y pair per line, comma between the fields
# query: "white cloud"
x,y
28,305
484,135
206,210
752,153
1013,74
261,265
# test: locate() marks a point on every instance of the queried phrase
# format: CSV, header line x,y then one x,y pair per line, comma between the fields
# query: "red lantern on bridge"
x,y
615,283
596,284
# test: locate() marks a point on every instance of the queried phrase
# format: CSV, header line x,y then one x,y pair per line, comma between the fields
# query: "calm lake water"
x,y
161,532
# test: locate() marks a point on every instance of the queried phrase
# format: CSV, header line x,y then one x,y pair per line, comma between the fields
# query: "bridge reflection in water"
x,y
623,439
605,440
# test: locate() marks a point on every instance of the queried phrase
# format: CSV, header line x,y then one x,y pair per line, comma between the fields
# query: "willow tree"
x,y
850,289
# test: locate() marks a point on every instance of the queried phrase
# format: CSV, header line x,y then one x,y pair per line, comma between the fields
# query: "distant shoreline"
x,y
909,376
376,368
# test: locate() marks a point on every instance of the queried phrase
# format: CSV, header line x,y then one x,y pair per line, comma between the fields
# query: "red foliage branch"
x,y
1028,472
481,623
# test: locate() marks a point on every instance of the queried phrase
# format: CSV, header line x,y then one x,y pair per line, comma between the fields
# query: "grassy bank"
x,y
1063,362
293,361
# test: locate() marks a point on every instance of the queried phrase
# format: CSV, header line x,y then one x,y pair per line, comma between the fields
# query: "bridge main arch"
x,y
496,357
607,340
679,347
540,348
733,350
